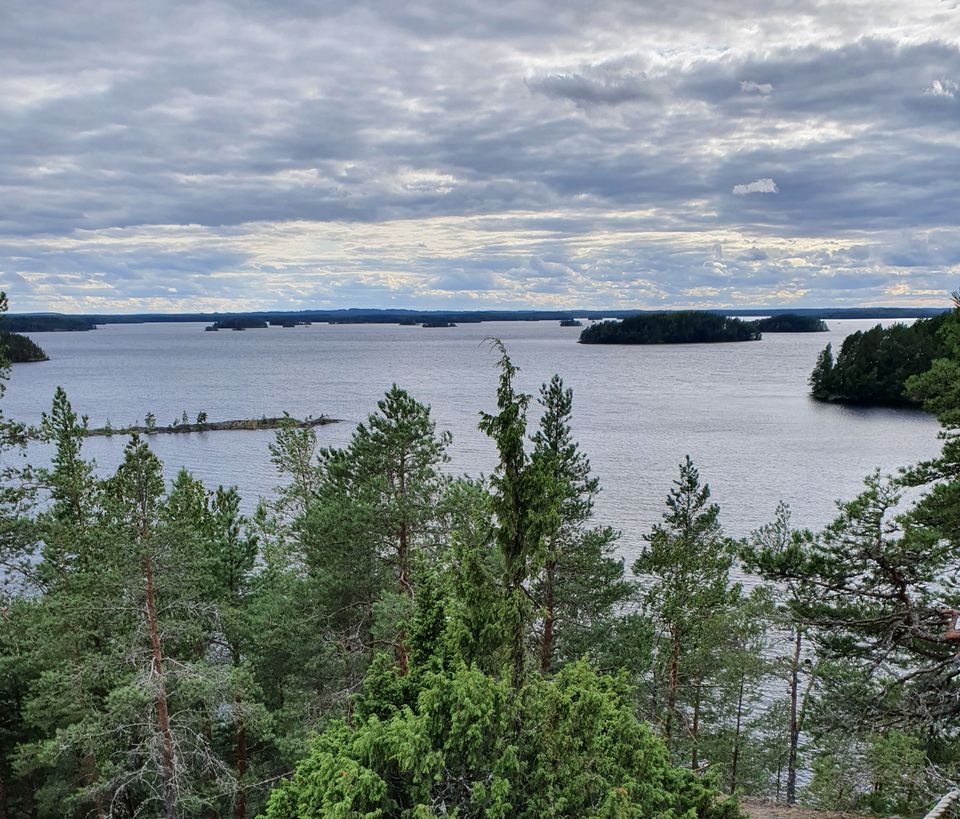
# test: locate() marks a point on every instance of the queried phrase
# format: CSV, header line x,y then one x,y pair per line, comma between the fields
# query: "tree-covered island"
x,y
793,323
874,366
684,327
21,350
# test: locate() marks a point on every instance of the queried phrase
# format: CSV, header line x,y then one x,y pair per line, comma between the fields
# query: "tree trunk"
x,y
4,811
546,650
672,685
403,571
92,776
794,730
736,740
695,732
168,762
240,806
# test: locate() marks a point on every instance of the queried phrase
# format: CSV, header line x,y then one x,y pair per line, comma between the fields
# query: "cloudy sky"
x,y
243,154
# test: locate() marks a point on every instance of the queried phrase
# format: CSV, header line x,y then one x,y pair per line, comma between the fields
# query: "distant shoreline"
x,y
50,322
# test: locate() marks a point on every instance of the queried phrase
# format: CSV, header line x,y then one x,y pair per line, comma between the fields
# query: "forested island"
x,y
238,323
793,323
684,327
874,367
20,349
385,639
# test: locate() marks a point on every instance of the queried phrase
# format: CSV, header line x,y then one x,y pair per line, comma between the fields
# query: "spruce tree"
x,y
581,582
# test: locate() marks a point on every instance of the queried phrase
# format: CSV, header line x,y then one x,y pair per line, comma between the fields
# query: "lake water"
x,y
741,411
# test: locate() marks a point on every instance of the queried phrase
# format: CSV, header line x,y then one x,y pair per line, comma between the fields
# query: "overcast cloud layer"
x,y
467,153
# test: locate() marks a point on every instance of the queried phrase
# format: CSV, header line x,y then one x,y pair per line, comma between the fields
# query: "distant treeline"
x,y
873,366
46,323
688,327
43,322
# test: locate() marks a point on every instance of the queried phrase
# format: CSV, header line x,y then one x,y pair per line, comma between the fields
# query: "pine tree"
x,y
685,575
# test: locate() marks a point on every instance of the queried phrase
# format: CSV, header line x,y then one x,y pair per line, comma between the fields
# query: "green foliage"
x,y
874,366
682,327
525,502
20,349
580,585
685,575
469,747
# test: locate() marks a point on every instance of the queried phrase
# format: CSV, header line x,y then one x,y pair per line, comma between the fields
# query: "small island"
x,y
684,327
20,349
150,427
571,322
439,324
793,323
238,323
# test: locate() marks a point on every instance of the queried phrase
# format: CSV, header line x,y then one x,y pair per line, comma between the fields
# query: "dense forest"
x,y
384,639
682,327
874,366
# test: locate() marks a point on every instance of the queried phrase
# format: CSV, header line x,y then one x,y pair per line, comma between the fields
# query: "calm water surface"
x,y
741,411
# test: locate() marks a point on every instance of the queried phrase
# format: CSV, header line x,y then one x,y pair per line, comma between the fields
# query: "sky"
x,y
293,154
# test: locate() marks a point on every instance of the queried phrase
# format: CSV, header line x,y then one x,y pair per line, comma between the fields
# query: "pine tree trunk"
x,y
546,650
672,686
794,730
4,811
403,571
736,740
168,763
240,806
695,733
92,776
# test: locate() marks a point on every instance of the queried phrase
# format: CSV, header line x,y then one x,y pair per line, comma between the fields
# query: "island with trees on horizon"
x,y
793,323
683,327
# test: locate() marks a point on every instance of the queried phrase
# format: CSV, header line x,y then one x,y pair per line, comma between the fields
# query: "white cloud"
x,y
765,185
942,88
751,87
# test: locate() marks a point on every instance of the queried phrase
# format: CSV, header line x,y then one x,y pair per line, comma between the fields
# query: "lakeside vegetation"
x,y
381,638
684,327
874,367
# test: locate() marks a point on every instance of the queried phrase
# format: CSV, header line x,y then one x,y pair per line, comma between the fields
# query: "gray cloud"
x,y
304,151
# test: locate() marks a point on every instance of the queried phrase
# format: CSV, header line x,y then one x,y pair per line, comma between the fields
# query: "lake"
x,y
741,411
